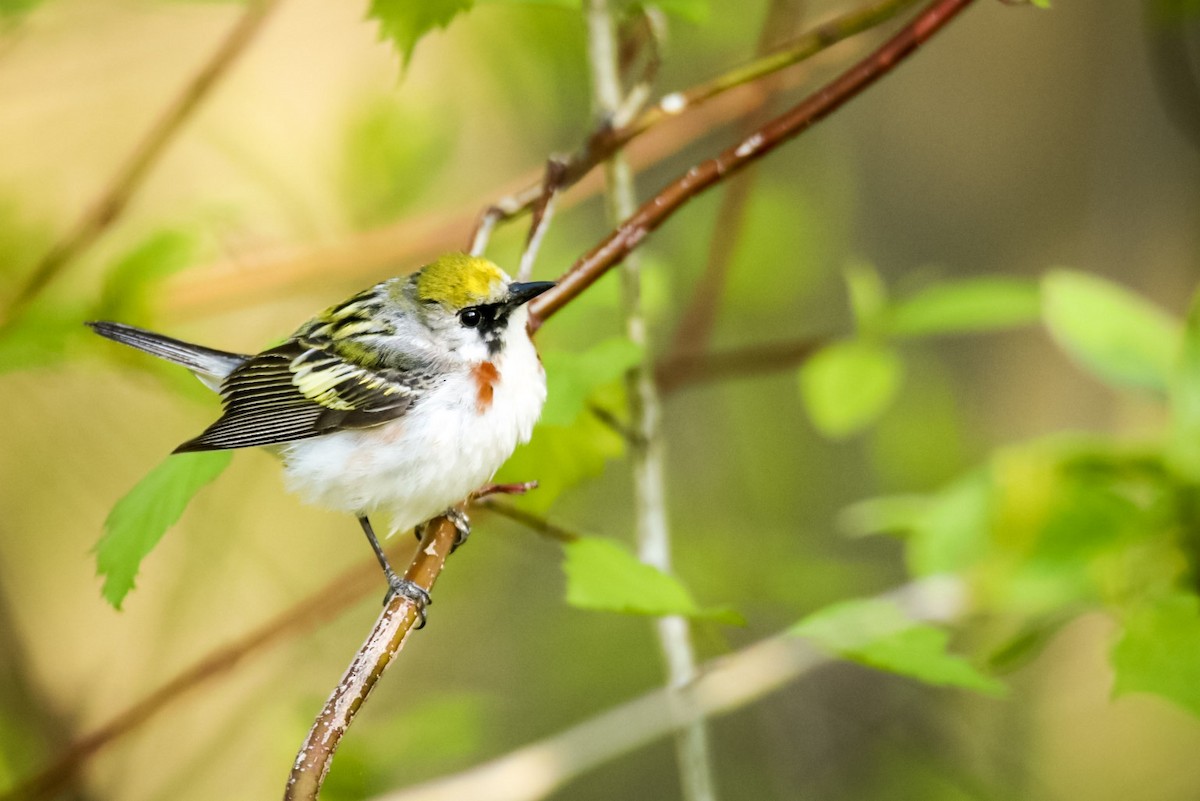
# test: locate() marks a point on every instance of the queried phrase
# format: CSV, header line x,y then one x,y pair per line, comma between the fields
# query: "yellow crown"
x,y
460,280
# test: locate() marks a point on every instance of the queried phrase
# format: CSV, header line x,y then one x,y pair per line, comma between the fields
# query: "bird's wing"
x,y
302,389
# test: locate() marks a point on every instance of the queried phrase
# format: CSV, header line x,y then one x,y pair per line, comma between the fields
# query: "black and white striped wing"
x,y
296,391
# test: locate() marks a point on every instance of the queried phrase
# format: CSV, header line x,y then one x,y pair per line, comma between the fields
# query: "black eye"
x,y
470,317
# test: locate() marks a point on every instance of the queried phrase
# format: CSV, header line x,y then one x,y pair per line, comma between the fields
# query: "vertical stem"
x,y
653,537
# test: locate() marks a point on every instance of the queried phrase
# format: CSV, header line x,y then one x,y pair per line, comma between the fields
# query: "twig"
x,y
391,630
531,521
645,412
112,204
615,423
543,212
698,318
704,107
808,112
725,684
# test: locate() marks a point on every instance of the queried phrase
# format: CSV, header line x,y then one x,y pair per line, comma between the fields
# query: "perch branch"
x,y
391,630
112,204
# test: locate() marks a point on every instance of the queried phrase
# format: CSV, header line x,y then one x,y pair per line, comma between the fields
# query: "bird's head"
x,y
472,305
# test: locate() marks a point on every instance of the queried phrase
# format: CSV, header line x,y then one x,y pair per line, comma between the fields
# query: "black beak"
x,y
521,293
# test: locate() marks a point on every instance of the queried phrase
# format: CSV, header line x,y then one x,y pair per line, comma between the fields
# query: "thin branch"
x,y
391,630
725,684
531,521
543,212
703,108
645,413
807,113
112,204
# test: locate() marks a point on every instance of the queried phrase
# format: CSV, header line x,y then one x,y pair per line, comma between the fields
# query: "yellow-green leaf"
x,y
404,22
572,377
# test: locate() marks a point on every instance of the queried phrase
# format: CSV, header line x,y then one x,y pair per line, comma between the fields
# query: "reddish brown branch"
x,y
807,113
391,630
112,204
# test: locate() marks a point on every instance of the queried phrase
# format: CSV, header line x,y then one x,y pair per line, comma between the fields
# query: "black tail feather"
x,y
199,359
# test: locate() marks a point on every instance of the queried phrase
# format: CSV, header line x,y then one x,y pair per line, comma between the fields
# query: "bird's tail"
x,y
206,363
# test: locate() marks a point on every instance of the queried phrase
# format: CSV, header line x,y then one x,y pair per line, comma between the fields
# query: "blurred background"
x,y
1017,141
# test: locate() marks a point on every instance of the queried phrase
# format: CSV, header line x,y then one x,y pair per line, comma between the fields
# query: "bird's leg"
x,y
396,584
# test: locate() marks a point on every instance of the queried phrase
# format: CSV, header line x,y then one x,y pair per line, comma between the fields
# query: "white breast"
x,y
449,444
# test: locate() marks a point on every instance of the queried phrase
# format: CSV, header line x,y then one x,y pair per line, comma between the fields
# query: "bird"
x,y
398,402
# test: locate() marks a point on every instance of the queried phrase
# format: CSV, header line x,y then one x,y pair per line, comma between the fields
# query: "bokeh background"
x,y
1017,141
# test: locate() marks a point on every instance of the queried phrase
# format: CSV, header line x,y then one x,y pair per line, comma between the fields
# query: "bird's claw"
x,y
410,590
462,526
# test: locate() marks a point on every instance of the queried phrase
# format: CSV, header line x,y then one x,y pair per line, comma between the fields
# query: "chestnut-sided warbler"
x,y
399,401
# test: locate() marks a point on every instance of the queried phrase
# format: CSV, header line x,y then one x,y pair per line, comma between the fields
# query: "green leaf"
x,y
875,632
572,377
143,515
1183,449
1120,337
847,385
604,576
404,22
977,304
1159,651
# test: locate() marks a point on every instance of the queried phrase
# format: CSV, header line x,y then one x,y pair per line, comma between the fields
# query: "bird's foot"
x,y
410,590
